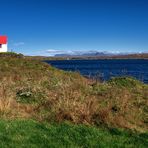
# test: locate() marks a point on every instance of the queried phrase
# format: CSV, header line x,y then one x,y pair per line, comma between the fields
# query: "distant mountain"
x,y
86,54
97,54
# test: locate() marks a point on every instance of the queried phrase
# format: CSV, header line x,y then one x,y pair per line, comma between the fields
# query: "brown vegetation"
x,y
32,89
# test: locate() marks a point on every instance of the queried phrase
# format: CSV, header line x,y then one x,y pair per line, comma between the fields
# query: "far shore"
x,y
129,56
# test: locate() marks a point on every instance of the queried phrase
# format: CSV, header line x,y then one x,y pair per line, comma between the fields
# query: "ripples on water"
x,y
105,69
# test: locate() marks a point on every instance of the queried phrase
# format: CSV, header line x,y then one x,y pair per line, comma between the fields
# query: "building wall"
x,y
3,48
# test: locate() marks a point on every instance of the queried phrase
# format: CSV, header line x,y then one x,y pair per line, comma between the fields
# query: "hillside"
x,y
33,90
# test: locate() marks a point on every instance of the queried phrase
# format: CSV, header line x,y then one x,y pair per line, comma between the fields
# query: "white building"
x,y
3,44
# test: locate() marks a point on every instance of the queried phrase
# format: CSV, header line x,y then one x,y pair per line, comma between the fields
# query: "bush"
x,y
124,82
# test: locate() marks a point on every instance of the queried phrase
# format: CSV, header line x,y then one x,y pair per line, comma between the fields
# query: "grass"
x,y
127,82
22,133
32,89
41,95
11,55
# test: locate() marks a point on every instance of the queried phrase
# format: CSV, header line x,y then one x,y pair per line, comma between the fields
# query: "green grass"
x,y
128,82
29,133
11,55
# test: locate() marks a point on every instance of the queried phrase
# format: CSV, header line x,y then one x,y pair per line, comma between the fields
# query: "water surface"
x,y
105,69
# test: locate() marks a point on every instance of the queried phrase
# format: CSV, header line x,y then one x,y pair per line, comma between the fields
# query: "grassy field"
x,y
33,90
22,133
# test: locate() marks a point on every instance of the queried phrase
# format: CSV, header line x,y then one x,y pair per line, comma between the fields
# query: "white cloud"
x,y
53,52
59,51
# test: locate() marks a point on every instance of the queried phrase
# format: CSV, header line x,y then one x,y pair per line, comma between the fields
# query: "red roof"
x,y
3,39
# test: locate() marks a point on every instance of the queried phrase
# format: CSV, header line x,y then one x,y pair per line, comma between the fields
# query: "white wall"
x,y
4,48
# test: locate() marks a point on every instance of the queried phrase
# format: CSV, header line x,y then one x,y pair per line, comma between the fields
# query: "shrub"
x,y
124,82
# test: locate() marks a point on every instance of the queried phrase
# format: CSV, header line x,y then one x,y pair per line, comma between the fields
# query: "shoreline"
x,y
112,57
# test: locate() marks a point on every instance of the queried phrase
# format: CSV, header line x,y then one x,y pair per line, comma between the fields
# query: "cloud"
x,y
18,44
53,52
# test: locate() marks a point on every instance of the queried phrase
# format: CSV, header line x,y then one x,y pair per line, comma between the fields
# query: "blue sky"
x,y
44,27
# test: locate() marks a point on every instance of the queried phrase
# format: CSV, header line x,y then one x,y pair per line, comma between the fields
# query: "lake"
x,y
105,69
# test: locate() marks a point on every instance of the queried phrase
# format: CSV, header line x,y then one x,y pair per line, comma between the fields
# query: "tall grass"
x,y
32,89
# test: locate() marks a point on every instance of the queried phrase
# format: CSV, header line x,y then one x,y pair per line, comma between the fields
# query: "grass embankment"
x,y
34,90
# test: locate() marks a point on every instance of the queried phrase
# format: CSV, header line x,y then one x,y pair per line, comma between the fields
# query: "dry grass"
x,y
31,89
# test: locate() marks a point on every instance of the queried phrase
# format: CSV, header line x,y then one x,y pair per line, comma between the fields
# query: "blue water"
x,y
105,69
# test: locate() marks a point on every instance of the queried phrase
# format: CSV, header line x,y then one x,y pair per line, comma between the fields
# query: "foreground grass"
x,y
23,133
